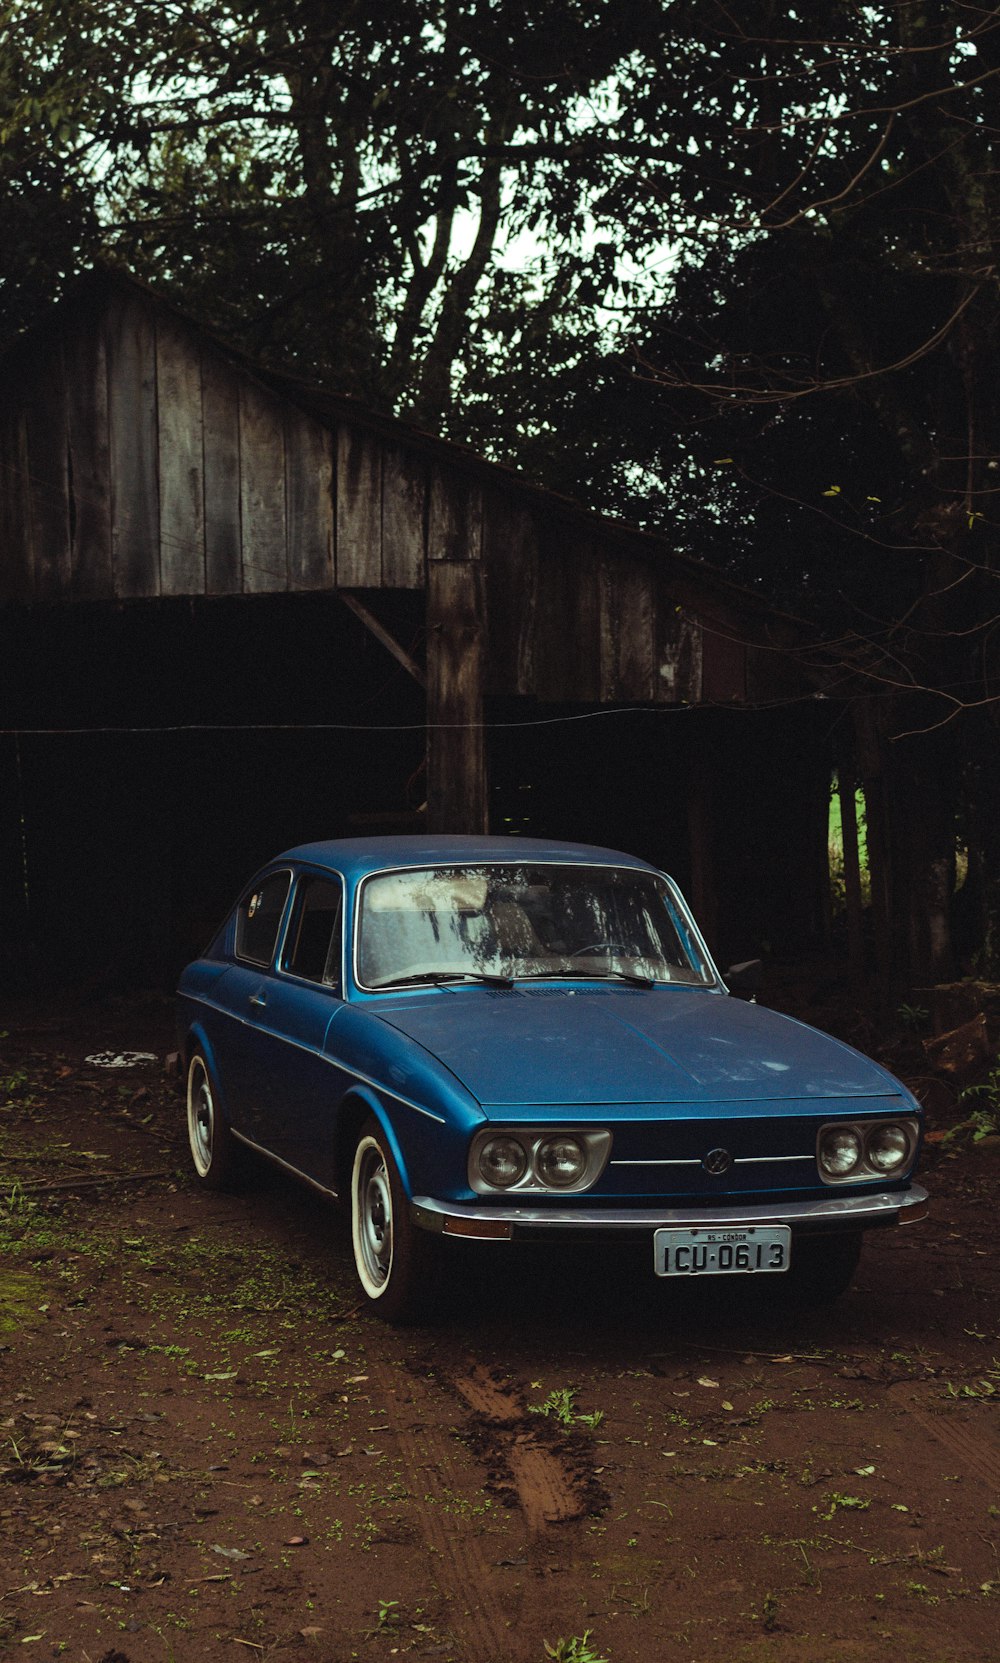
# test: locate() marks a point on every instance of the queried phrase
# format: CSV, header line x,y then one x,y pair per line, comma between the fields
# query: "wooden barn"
x,y
238,612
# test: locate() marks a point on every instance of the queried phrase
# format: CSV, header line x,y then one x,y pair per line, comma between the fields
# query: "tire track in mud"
x,y
480,1612
546,1483
546,1474
946,1421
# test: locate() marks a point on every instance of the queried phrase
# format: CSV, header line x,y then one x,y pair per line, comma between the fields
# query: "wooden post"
x,y
456,749
703,891
846,787
870,739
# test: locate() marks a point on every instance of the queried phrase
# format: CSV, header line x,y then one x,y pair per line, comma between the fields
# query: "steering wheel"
x,y
595,947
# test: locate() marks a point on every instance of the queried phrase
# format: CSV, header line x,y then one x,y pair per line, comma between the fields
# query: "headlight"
x,y
537,1160
840,1150
502,1162
561,1162
888,1147
847,1152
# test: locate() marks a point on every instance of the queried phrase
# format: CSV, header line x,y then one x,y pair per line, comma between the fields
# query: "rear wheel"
x,y
395,1261
214,1150
823,1266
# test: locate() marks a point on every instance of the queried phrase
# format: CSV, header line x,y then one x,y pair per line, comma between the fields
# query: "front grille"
x,y
668,1157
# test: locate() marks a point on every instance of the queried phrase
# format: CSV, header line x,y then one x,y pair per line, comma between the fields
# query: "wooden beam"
x,y
382,634
456,652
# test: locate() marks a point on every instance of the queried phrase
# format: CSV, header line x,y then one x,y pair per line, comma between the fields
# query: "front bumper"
x,y
472,1220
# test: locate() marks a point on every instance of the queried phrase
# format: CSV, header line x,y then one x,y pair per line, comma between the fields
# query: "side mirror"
x,y
746,979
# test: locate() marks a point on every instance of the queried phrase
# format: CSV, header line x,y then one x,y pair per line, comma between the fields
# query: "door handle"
x,y
258,999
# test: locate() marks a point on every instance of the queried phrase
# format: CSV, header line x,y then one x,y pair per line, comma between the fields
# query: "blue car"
x,y
498,1040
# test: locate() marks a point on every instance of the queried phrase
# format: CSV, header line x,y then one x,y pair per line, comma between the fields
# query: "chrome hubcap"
x,y
374,1200
201,1119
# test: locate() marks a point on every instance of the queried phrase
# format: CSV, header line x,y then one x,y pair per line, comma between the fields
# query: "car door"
x,y
241,994
296,1087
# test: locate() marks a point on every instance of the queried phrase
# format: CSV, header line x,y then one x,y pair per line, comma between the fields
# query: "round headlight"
x,y
561,1162
888,1147
502,1162
839,1151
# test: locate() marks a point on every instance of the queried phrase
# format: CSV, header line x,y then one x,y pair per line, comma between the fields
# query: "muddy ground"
x,y
207,1450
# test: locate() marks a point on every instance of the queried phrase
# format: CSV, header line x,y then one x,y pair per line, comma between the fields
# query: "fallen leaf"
x,y
229,1553
296,1541
706,1380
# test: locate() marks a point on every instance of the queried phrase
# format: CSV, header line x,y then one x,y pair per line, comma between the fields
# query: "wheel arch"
x,y
359,1105
196,1039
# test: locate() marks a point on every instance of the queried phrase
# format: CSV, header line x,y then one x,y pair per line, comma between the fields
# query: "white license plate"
x,y
741,1250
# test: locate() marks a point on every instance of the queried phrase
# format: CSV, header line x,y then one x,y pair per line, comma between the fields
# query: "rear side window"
x,y
258,916
312,947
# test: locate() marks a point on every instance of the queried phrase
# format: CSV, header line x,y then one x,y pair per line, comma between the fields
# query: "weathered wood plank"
x,y
221,414
16,567
567,629
678,653
309,497
45,413
455,516
181,460
404,505
724,662
510,560
135,500
89,454
585,620
456,751
262,491
359,509
626,592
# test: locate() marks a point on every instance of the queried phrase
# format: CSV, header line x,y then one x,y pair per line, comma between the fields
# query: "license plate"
x,y
750,1250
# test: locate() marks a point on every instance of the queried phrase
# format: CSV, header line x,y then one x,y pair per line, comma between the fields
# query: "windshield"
x,y
524,922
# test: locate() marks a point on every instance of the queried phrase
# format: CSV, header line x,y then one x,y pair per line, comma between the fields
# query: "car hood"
x,y
622,1045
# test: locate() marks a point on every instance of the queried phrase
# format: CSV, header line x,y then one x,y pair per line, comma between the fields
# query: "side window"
x,y
258,917
313,944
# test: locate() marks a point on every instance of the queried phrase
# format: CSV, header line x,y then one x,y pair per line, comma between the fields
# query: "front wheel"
x,y
213,1148
394,1260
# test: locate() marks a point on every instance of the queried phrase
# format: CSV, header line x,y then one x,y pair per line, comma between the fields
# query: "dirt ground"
x,y
208,1450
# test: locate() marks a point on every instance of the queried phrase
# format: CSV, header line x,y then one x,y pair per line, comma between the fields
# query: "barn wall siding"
x,y
137,461
85,366
221,438
135,494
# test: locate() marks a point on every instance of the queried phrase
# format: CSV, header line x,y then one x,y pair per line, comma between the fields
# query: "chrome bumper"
x,y
829,1212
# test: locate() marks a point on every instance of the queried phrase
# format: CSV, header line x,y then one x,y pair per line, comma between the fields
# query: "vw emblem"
x,y
717,1161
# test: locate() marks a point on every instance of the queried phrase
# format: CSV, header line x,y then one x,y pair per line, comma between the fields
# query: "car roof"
x,y
356,856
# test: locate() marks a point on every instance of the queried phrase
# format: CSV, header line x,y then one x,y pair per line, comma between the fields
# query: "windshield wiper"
x,y
628,976
437,978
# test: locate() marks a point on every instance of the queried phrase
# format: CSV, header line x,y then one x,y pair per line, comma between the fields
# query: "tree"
x,y
333,184
817,402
